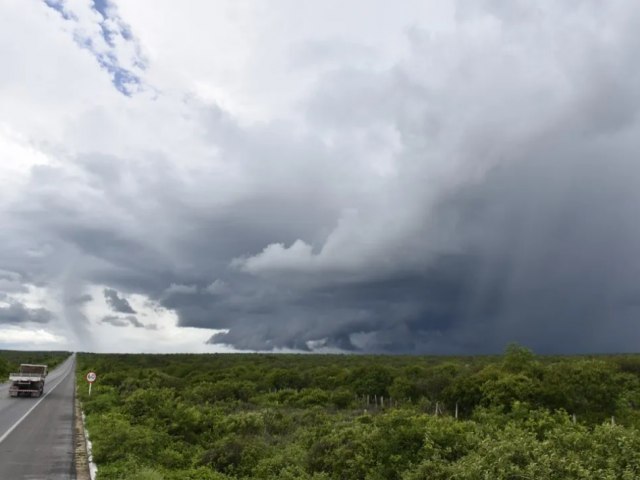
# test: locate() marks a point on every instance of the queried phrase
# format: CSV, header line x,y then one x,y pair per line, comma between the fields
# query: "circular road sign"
x,y
91,377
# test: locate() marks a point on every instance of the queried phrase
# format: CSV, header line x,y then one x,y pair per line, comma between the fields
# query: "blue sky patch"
x,y
124,79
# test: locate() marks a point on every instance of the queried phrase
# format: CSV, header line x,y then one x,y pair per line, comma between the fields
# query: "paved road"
x,y
40,446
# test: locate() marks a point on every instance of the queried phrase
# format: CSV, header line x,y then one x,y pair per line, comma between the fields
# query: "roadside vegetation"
x,y
10,360
325,417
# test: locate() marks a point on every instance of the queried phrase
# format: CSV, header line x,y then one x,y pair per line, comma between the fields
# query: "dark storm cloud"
x,y
554,236
482,190
543,251
397,313
17,313
117,303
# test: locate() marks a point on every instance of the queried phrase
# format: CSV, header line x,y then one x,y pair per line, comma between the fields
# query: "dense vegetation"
x,y
219,417
10,360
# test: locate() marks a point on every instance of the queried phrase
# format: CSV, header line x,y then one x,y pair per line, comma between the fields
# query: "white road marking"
x,y
15,425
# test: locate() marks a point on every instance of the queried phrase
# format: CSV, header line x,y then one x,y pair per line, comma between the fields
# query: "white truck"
x,y
29,381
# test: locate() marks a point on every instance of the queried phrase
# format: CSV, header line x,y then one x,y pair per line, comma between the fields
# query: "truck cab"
x,y
29,381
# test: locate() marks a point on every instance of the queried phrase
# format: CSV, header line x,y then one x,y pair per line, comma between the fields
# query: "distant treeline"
x,y
237,416
10,360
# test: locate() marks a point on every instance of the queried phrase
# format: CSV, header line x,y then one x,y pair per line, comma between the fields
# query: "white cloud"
x,y
24,337
247,57
278,257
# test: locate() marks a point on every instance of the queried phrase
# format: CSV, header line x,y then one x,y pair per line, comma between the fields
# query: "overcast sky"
x,y
277,175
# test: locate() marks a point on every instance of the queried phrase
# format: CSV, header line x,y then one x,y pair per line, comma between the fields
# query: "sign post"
x,y
91,377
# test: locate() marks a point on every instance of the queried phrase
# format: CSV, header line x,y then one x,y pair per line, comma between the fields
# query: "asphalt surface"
x,y
36,434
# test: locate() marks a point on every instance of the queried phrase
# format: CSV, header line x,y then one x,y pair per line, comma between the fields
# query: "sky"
x,y
426,176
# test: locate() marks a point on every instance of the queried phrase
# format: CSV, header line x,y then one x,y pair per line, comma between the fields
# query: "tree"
x,y
371,380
